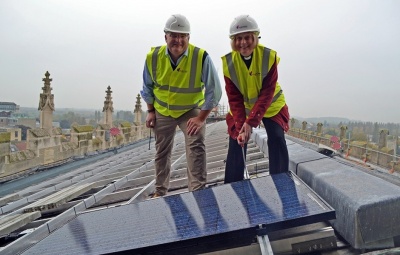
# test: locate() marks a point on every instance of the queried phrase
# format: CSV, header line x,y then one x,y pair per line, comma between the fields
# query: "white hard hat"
x,y
177,23
243,23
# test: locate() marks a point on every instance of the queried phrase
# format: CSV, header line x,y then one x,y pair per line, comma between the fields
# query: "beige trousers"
x,y
164,131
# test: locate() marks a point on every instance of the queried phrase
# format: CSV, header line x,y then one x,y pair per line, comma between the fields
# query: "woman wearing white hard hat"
x,y
255,96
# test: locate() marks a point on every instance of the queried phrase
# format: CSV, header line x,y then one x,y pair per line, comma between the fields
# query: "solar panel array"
x,y
277,202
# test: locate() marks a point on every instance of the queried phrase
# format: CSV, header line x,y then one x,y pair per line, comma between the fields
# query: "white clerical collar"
x,y
247,58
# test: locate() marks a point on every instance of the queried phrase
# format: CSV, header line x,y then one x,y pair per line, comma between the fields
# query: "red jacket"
x,y
236,104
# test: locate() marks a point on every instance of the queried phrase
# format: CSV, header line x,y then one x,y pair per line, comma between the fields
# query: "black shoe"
x,y
156,195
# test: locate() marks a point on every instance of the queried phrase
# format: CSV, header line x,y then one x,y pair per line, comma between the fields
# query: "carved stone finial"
x,y
138,111
46,103
108,108
304,125
138,105
383,138
108,103
343,132
292,122
46,98
319,127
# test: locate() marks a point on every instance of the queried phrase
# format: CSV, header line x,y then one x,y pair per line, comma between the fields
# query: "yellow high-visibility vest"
x,y
249,80
180,90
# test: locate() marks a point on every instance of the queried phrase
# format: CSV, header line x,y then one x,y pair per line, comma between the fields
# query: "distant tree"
x,y
331,131
369,128
96,116
71,117
93,123
125,115
82,120
358,134
375,134
65,124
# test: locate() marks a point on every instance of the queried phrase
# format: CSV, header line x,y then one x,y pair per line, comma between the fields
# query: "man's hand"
x,y
151,120
194,125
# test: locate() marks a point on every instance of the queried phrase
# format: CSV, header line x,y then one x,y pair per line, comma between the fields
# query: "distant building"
x,y
7,121
5,114
28,122
15,133
214,112
3,121
10,116
9,107
11,119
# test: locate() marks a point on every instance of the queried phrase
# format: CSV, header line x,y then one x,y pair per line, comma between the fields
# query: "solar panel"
x,y
274,202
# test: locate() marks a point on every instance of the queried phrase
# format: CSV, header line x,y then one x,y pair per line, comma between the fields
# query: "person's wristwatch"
x,y
151,110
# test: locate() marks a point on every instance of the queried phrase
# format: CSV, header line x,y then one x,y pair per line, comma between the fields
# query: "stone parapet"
x,y
4,149
10,171
361,150
45,147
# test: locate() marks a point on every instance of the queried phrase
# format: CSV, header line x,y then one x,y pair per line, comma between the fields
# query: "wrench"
x,y
246,173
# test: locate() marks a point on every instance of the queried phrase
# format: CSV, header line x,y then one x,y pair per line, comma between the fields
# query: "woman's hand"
x,y
244,134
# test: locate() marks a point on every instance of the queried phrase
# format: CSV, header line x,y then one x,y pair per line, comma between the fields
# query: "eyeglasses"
x,y
239,38
178,36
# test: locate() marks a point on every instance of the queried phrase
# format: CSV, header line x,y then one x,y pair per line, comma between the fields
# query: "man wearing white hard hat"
x,y
180,87
255,96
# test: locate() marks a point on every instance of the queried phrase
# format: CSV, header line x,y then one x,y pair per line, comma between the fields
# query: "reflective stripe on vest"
x,y
180,90
252,78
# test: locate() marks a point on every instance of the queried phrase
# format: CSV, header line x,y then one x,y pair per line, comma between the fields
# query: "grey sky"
x,y
339,58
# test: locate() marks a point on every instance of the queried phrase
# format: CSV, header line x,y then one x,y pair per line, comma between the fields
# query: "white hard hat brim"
x,y
257,32
176,31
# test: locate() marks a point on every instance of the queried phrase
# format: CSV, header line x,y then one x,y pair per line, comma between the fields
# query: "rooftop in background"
x,y
108,199
9,106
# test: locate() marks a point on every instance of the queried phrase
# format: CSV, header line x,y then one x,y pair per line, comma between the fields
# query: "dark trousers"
x,y
277,153
234,168
277,150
